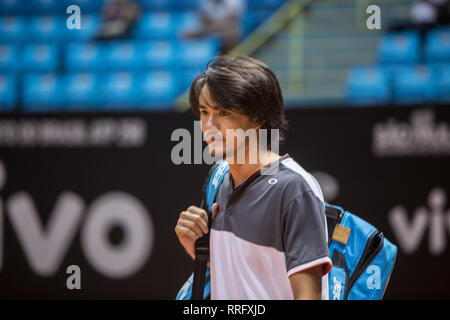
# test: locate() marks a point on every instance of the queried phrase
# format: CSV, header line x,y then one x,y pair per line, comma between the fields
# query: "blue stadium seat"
x,y
46,28
161,25
443,83
169,5
399,47
186,20
13,6
86,6
393,69
42,92
81,90
158,90
154,5
8,92
367,86
46,6
118,91
84,57
157,54
12,28
90,24
40,57
414,85
437,45
9,61
184,5
264,4
196,53
121,55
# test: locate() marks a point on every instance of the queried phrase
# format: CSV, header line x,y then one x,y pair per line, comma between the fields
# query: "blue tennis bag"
x,y
363,258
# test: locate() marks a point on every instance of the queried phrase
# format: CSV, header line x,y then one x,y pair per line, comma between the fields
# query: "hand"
x,y
193,224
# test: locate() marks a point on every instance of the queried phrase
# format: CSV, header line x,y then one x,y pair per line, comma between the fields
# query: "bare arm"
x,y
307,285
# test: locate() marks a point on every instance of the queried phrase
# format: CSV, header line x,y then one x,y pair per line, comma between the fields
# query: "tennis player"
x,y
268,236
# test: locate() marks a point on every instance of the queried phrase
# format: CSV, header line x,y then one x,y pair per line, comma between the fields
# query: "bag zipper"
x,y
365,260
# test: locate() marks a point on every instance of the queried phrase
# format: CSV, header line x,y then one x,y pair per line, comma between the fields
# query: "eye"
x,y
203,112
223,113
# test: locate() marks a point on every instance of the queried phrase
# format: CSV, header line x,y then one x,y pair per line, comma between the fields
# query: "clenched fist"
x,y
193,224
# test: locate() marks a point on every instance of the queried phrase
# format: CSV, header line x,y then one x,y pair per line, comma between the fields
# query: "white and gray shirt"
x,y
267,229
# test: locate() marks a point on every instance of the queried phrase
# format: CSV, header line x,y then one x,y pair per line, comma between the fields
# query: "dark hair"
x,y
245,85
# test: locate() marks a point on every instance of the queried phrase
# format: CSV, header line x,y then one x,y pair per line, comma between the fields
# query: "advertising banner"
x,y
89,202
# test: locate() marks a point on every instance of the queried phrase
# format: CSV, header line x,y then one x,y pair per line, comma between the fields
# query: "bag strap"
x,y
209,192
200,265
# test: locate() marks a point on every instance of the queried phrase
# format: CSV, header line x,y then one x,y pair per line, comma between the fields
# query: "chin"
x,y
215,152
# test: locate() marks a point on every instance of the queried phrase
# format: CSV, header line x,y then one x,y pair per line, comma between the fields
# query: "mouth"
x,y
214,141
211,137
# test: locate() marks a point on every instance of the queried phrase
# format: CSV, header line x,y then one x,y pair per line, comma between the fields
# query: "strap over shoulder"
x,y
213,182
209,192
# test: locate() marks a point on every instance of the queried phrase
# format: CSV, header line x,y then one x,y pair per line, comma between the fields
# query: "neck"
x,y
239,172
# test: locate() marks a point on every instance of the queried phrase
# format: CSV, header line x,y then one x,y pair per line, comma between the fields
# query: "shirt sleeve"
x,y
305,234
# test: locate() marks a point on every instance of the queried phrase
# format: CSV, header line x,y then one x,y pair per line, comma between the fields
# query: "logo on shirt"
x,y
272,181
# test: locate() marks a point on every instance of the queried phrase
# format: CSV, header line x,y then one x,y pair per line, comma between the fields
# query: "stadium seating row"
x,y
366,85
55,6
408,71
405,47
119,55
45,65
92,91
152,25
400,84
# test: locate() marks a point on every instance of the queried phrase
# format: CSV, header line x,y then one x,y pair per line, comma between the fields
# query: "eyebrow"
x,y
214,107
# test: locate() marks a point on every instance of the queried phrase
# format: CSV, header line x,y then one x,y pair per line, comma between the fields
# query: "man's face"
x,y
215,122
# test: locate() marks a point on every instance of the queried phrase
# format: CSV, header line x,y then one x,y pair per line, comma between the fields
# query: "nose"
x,y
209,128
210,122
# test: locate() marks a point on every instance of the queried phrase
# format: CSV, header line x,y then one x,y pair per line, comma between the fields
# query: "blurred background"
x,y
91,92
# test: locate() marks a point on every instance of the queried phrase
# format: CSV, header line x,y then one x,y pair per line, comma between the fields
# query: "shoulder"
x,y
296,181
